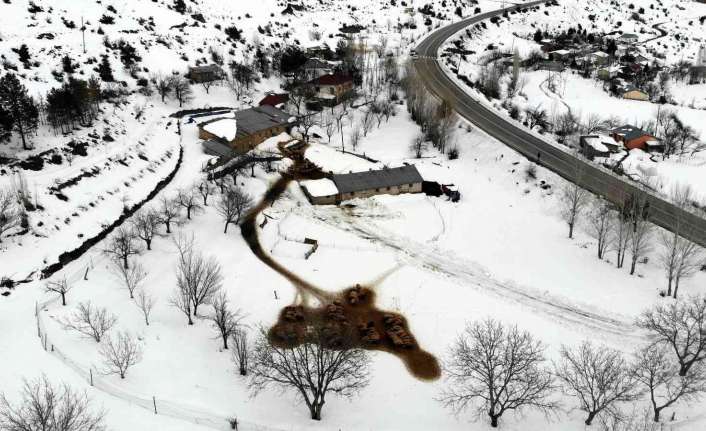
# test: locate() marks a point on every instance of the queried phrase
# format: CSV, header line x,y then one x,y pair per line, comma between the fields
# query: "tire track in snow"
x,y
472,274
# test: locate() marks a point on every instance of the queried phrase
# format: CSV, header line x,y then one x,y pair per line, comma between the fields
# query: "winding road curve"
x,y
517,137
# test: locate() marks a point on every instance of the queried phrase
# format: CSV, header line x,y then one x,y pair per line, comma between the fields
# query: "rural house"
x,y
633,137
209,73
598,146
314,68
274,99
633,93
629,38
247,128
332,89
341,187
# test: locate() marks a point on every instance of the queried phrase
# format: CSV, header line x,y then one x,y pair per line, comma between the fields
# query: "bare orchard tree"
x,y
640,243
62,287
187,199
120,353
496,369
572,202
620,235
599,377
328,123
182,90
660,377
168,212
123,244
145,302
232,205
226,320
311,369
241,350
600,224
91,321
418,146
354,137
9,211
132,277
198,276
689,260
205,189
181,300
43,406
305,123
163,85
681,327
638,419
144,226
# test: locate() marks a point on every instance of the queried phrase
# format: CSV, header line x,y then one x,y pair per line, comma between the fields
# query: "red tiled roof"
x,y
274,99
332,80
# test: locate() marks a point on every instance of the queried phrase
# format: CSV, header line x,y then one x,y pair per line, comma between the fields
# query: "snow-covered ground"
x,y
500,252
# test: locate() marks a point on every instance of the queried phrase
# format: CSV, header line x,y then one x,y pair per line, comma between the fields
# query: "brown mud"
x,y
349,317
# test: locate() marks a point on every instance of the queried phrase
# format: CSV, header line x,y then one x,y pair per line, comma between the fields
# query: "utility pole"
x,y
83,34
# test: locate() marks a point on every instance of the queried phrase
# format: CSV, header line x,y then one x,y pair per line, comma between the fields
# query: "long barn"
x,y
341,187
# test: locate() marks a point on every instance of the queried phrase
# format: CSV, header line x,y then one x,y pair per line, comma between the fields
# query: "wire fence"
x,y
153,404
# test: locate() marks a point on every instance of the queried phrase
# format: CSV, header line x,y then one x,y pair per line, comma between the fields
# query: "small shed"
x,y
597,146
212,72
320,192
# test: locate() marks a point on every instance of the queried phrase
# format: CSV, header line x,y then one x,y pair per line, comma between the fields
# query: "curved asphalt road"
x,y
574,169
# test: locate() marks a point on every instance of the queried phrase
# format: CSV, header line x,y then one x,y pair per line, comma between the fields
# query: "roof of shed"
x,y
256,119
369,180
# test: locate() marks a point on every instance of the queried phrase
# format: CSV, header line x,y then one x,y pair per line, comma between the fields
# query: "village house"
x,y
209,73
629,38
633,137
341,187
598,146
332,89
633,93
560,55
552,66
246,129
314,68
278,100
608,73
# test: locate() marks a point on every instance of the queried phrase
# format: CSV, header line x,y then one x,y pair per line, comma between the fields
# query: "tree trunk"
x,y
226,228
494,421
149,244
589,419
676,287
168,225
188,213
632,266
657,412
191,322
225,341
63,299
571,230
315,410
125,261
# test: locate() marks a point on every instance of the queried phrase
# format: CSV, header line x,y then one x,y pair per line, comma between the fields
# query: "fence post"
x,y
154,402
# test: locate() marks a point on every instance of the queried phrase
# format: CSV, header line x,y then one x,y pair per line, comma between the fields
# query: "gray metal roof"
x,y
256,119
370,180
630,132
215,148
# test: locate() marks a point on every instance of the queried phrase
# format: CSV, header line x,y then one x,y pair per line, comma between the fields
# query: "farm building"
x,y
332,89
598,145
209,73
341,187
633,137
247,128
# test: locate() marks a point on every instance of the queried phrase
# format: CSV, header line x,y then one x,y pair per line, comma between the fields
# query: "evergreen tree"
x,y
5,124
179,6
23,53
68,65
20,107
105,71
538,36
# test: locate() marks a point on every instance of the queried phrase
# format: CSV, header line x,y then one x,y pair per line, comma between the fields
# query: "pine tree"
x,y
105,71
5,124
22,110
23,53
179,6
68,65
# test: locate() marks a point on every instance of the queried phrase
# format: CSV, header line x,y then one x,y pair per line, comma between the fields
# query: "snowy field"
x,y
501,252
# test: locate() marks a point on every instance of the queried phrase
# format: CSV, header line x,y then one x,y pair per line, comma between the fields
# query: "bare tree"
x,y
329,125
169,212
312,369
600,224
241,350
225,320
205,189
62,287
198,276
163,85
497,369
120,353
635,420
43,406
123,244
232,205
91,321
145,302
572,200
620,235
187,199
660,376
131,277
368,118
354,137
340,117
181,300
641,234
144,226
305,122
689,260
418,146
182,90
537,117
598,377
681,326
9,211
